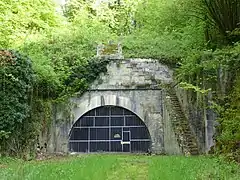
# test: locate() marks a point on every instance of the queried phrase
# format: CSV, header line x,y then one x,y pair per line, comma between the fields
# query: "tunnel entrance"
x,y
109,129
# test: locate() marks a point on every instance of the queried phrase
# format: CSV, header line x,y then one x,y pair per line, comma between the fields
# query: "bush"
x,y
16,79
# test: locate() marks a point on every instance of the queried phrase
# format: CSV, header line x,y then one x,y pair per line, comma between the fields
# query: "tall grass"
x,y
120,167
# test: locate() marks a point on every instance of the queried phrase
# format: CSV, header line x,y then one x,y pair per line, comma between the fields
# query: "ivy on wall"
x,y
26,105
82,76
217,73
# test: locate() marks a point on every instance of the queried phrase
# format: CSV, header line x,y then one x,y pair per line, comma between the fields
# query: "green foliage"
x,y
82,76
74,7
116,14
225,15
60,61
4,135
206,65
165,29
19,19
192,87
16,79
218,71
56,55
229,129
16,82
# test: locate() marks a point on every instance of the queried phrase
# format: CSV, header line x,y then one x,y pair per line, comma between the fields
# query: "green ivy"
x,y
16,80
82,76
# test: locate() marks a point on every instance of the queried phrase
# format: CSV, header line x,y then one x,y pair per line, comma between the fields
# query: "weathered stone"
x,y
130,87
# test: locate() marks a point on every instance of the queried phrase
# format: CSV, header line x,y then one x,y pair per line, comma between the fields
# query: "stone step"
x,y
195,151
187,131
182,125
183,130
193,148
173,95
190,140
173,98
179,113
178,109
173,101
179,121
191,144
176,106
188,135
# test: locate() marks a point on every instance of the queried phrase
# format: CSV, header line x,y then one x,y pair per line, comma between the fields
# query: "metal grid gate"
x,y
109,129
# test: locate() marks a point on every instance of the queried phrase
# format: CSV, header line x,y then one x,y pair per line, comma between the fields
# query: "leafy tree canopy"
x,y
22,18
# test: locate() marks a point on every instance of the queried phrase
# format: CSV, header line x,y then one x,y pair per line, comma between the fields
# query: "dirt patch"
x,y
3,166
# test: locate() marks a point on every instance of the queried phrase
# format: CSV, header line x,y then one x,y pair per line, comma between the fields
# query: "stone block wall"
x,y
134,84
202,120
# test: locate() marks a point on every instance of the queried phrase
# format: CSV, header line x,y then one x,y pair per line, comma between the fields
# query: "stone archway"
x,y
109,129
141,108
132,84
90,101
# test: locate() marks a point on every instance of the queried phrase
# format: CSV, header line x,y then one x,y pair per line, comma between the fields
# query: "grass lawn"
x,y
120,167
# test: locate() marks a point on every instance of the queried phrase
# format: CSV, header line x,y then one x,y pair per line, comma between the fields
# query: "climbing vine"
x,y
26,103
82,76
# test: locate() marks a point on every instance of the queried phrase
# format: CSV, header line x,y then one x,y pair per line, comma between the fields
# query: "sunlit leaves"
x,y
165,29
18,19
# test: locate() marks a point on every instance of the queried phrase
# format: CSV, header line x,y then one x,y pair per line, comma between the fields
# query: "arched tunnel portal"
x,y
109,129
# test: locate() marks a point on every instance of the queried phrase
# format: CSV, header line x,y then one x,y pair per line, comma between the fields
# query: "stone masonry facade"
x,y
134,84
